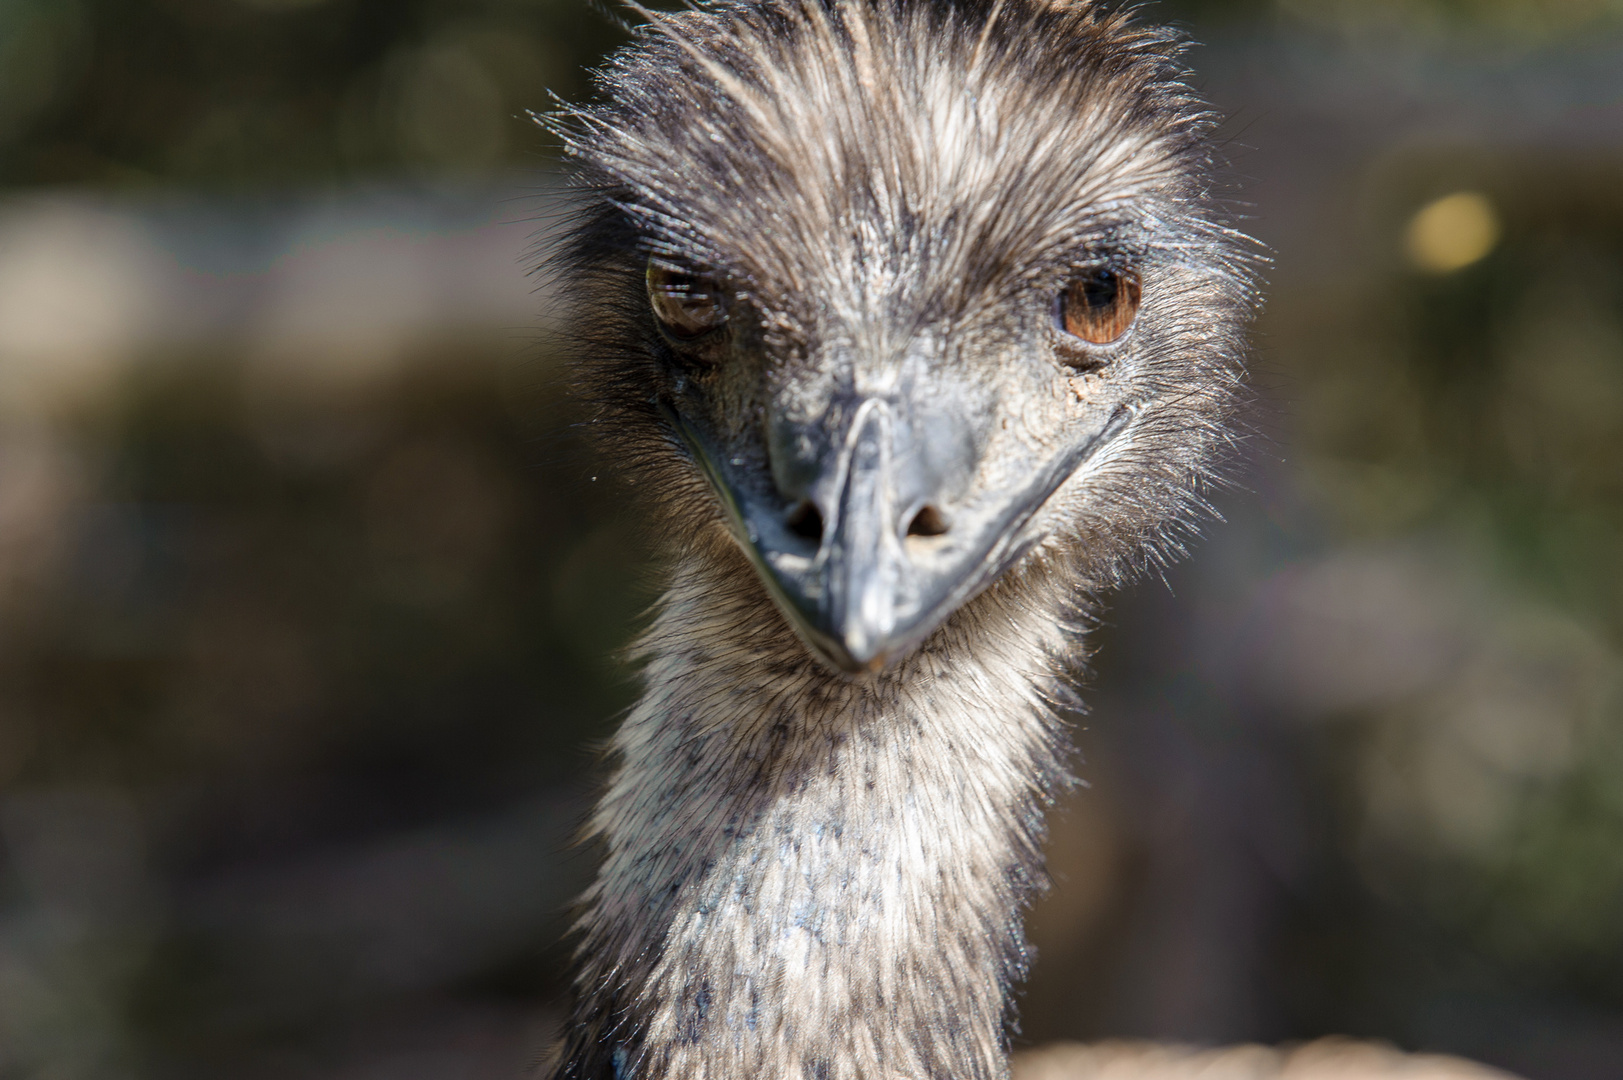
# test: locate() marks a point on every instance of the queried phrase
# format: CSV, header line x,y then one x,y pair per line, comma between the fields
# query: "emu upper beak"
x,y
884,559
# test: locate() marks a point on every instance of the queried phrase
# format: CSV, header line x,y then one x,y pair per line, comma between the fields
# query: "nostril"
x,y
806,521
927,522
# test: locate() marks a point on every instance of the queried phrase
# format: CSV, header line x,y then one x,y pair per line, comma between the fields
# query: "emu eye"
x,y
686,304
1100,306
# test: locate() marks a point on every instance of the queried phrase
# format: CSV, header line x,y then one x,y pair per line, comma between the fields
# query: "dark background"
x,y
310,596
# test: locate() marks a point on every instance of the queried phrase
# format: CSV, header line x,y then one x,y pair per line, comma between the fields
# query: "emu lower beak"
x,y
871,584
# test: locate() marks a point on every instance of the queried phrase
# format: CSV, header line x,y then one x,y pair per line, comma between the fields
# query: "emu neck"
x,y
808,876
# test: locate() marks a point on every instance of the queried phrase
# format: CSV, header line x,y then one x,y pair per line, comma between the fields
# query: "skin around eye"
x,y
687,305
1100,306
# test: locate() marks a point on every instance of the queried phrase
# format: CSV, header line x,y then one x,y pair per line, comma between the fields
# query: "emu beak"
x,y
886,558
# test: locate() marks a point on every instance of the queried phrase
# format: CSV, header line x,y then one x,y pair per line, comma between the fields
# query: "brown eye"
x,y
1100,306
685,304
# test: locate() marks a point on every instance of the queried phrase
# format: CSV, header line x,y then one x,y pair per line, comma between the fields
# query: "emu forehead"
x,y
860,150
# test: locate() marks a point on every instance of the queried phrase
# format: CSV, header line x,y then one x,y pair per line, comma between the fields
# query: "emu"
x,y
915,325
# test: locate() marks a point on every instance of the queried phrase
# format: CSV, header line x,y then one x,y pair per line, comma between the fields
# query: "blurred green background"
x,y
310,593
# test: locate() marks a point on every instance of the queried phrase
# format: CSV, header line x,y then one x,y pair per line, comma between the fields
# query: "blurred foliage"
x,y
1484,406
276,91
1495,390
258,92
255,585
281,676
1518,23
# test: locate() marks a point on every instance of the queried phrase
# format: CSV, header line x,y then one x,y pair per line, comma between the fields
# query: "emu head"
x,y
906,296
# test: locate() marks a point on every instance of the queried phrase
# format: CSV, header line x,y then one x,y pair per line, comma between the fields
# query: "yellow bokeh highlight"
x,y
1451,233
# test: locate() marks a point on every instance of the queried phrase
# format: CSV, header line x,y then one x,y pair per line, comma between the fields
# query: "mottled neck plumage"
x,y
810,876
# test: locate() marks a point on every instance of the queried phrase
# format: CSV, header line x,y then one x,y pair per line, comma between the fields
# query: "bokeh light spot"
x,y
1452,233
